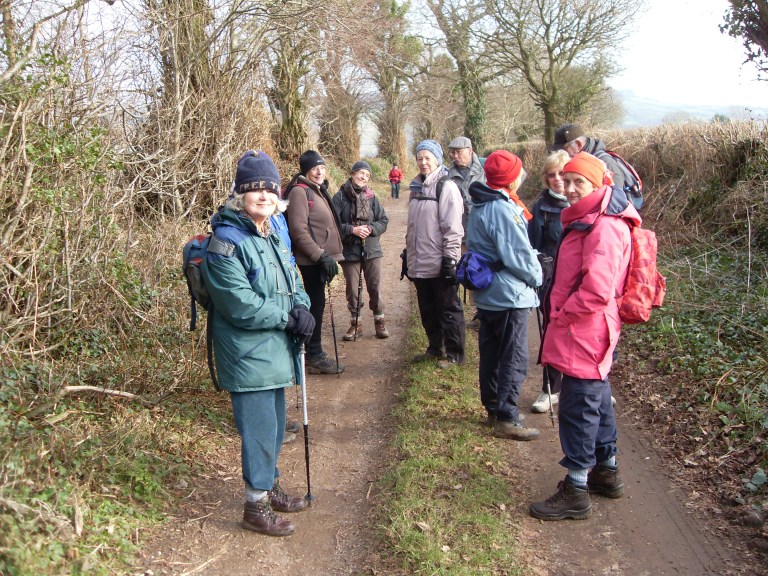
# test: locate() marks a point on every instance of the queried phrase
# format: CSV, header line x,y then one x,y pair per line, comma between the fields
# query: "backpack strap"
x,y
222,248
438,191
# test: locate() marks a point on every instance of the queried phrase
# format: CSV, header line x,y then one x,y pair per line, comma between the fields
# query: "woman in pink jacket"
x,y
582,329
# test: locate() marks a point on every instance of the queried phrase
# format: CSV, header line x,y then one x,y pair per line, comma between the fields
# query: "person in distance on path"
x,y
497,229
315,232
257,322
433,247
395,177
581,330
363,220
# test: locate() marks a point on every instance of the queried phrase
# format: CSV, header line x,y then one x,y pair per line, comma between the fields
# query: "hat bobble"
x,y
501,169
256,171
591,167
433,147
309,160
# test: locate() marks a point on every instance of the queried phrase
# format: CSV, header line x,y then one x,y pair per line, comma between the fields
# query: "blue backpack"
x,y
476,271
192,260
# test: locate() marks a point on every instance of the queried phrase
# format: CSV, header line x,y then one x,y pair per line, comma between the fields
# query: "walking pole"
x,y
359,286
333,330
302,353
544,371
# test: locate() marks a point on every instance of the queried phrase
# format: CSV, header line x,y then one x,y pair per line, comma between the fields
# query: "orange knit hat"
x,y
592,168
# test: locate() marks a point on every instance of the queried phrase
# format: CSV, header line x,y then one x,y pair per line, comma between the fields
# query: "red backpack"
x,y
645,287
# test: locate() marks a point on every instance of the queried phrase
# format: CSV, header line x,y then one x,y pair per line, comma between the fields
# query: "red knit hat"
x,y
592,168
501,169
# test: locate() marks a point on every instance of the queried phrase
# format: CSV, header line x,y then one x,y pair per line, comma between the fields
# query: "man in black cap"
x,y
572,139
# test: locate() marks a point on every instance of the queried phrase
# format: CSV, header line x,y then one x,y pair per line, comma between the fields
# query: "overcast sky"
x,y
677,54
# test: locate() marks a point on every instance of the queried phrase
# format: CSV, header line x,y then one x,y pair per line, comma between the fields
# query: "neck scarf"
x,y
516,199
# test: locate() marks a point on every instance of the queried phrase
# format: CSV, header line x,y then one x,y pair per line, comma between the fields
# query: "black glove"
x,y
300,324
404,267
448,269
547,264
329,268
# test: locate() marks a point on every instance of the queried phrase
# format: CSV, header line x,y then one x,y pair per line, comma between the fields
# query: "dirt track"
x,y
651,531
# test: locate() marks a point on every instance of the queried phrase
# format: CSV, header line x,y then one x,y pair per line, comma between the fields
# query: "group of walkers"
x,y
279,248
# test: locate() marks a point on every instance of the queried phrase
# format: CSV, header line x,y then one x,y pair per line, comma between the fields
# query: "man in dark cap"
x,y
572,139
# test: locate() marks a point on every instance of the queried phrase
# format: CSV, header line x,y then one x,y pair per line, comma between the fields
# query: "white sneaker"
x,y
542,403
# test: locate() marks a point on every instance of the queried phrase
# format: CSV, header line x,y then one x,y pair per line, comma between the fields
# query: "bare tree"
x,y
391,61
457,19
562,49
748,20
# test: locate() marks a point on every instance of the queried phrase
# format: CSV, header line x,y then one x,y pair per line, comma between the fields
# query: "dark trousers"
x,y
503,343
395,189
315,289
442,316
587,422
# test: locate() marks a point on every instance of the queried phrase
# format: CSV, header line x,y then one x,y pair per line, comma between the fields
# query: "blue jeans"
x,y
395,189
587,422
260,420
503,343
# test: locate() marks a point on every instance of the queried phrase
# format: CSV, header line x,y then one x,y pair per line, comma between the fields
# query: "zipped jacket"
x,y
377,222
252,290
434,227
582,323
312,223
497,229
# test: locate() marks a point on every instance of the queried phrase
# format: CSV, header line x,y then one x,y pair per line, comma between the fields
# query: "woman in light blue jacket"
x,y
497,229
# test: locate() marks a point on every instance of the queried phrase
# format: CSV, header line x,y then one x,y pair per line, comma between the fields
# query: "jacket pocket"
x,y
253,348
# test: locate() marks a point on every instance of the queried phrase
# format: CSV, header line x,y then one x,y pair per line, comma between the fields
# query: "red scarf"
x,y
516,199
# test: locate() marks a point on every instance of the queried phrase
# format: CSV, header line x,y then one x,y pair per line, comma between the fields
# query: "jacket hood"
x,y
481,193
228,217
593,145
605,200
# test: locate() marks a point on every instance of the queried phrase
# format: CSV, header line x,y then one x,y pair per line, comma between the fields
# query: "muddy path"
x,y
654,530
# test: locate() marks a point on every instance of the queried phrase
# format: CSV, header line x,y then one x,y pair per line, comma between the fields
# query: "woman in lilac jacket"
x,y
582,328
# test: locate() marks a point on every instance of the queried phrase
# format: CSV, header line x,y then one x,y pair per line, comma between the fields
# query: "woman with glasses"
x,y
363,220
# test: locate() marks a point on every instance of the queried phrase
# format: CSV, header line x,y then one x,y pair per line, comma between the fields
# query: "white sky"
x,y
677,54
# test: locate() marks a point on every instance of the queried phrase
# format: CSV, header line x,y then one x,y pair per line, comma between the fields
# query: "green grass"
x,y
446,505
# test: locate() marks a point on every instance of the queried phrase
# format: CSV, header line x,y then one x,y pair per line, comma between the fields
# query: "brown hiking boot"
x,y
604,479
514,430
570,501
353,332
381,328
282,502
259,517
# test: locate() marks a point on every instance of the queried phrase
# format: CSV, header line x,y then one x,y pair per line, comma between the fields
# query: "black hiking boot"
x,y
282,502
604,479
570,501
259,517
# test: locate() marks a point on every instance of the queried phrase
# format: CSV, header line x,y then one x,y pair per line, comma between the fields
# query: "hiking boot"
x,y
474,324
353,332
381,328
570,501
542,403
427,356
259,517
322,364
282,502
604,479
288,437
447,362
514,430
292,426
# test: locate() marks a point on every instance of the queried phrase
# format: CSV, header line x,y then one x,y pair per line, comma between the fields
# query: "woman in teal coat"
x,y
259,316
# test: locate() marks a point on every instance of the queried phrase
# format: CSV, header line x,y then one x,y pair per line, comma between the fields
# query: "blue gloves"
x,y
300,324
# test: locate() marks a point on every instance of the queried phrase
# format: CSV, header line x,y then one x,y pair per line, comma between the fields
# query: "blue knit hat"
x,y
433,147
256,171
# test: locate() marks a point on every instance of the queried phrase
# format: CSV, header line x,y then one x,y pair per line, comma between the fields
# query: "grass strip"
x,y
448,498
